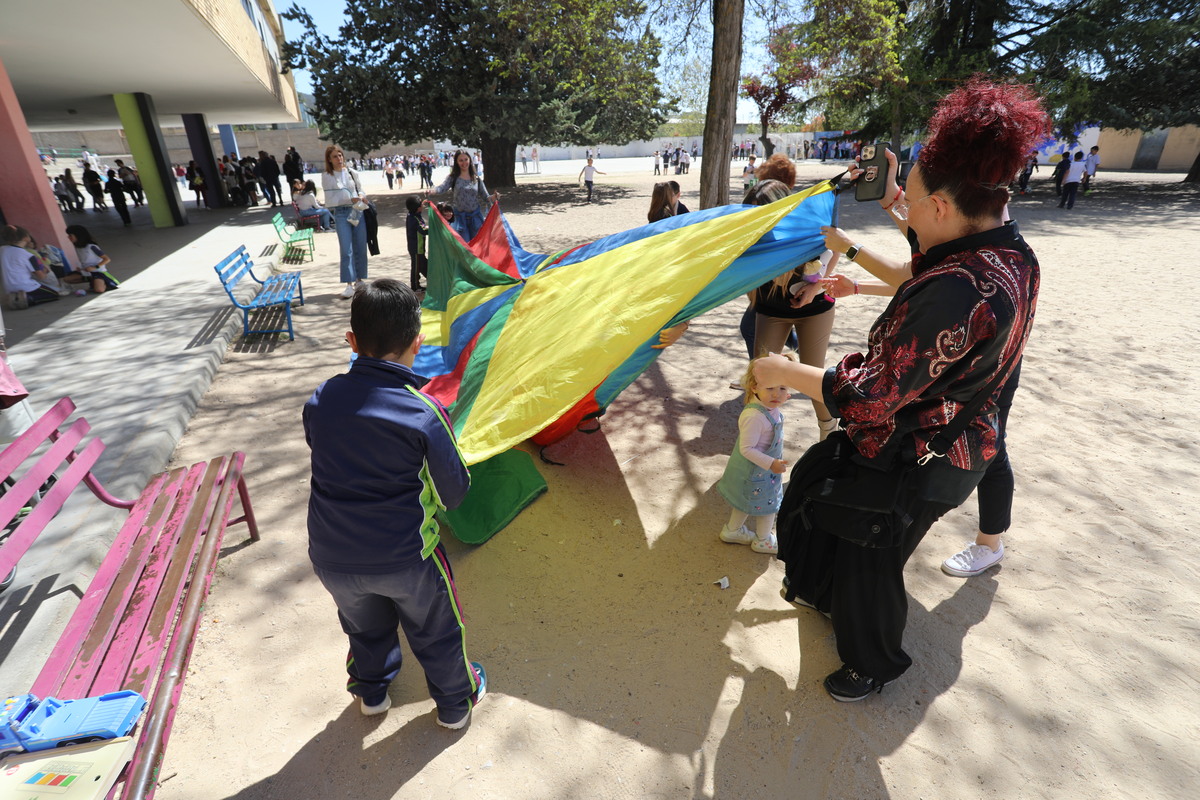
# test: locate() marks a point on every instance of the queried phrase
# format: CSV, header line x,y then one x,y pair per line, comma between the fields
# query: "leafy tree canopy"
x,y
486,74
1119,63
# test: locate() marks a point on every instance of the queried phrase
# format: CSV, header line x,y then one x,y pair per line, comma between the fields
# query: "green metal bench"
x,y
299,241
277,290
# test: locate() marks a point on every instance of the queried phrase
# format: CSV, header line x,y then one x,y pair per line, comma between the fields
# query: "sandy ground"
x,y
617,669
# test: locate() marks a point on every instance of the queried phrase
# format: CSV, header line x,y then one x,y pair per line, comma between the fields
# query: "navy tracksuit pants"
x,y
420,600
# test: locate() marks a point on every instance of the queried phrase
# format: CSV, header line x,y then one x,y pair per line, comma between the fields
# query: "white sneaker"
x,y
972,560
370,711
348,291
768,546
740,536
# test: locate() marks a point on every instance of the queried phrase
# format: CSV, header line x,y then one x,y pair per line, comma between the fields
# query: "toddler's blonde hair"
x,y
749,383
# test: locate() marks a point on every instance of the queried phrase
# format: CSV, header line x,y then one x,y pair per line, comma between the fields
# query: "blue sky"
x,y
328,15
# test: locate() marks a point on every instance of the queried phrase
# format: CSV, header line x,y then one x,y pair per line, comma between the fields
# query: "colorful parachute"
x,y
519,344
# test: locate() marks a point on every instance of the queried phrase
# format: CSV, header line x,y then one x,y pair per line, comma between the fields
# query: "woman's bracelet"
x,y
855,286
899,191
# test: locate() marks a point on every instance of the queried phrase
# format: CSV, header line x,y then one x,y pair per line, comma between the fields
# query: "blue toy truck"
x,y
27,724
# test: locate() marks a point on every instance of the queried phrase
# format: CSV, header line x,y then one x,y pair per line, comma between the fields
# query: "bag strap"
x,y
941,443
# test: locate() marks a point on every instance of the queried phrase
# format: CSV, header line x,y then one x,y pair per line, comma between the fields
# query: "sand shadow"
x,y
382,767
828,742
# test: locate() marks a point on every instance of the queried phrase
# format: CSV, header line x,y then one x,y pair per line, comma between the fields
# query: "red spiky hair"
x,y
980,136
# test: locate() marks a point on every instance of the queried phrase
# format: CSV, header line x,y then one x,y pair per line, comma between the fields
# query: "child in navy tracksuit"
x,y
384,460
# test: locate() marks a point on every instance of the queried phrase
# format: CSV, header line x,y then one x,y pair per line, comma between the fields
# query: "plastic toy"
x,y
27,724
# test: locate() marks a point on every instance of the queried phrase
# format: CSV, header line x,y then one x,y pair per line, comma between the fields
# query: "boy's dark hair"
x,y
13,234
413,204
385,316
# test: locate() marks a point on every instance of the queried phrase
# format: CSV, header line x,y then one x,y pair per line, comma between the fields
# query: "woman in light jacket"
x,y
342,193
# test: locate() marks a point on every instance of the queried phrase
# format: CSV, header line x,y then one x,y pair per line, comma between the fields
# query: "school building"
x,y
136,65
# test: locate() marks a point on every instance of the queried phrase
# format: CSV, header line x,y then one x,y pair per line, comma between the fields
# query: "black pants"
x,y
863,589
418,267
1068,194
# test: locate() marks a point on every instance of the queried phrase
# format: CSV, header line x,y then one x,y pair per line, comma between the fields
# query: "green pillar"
x,y
149,153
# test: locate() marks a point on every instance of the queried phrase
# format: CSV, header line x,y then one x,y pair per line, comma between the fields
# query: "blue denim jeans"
x,y
468,223
323,215
352,245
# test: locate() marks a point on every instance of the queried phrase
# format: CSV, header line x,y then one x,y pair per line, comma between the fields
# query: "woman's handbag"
x,y
858,499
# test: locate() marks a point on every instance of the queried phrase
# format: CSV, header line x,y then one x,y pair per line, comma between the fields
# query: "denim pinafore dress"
x,y
748,487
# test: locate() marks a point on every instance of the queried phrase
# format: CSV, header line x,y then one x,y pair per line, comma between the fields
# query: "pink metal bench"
x,y
137,621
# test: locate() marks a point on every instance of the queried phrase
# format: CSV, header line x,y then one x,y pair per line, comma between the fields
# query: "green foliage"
x,y
1120,63
1129,64
486,74
687,85
687,125
856,50
789,69
855,43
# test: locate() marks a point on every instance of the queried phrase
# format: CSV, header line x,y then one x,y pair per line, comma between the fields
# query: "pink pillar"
x,y
25,194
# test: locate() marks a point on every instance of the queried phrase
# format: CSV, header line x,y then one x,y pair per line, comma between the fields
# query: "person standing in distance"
x,y
588,176
344,197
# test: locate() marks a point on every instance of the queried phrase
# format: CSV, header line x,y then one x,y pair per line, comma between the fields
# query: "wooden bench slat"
x,y
23,492
24,445
127,587
56,668
19,542
160,717
139,644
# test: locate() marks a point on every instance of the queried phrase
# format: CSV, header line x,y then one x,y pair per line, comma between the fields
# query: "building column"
x,y
26,198
228,140
202,152
149,152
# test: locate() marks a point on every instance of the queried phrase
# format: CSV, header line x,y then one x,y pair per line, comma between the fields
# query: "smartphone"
x,y
872,184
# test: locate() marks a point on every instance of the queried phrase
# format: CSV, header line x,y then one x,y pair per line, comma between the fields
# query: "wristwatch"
x,y
852,251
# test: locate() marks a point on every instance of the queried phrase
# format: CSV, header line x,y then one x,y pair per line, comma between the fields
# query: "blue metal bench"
x,y
277,290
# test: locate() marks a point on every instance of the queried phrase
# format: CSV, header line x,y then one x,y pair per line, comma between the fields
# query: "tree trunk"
x,y
722,101
499,162
898,134
768,145
1193,175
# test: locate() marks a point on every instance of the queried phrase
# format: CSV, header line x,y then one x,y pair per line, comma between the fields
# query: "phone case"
x,y
872,184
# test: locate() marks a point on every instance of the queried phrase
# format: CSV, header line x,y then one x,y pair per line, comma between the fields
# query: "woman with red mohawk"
x,y
951,335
